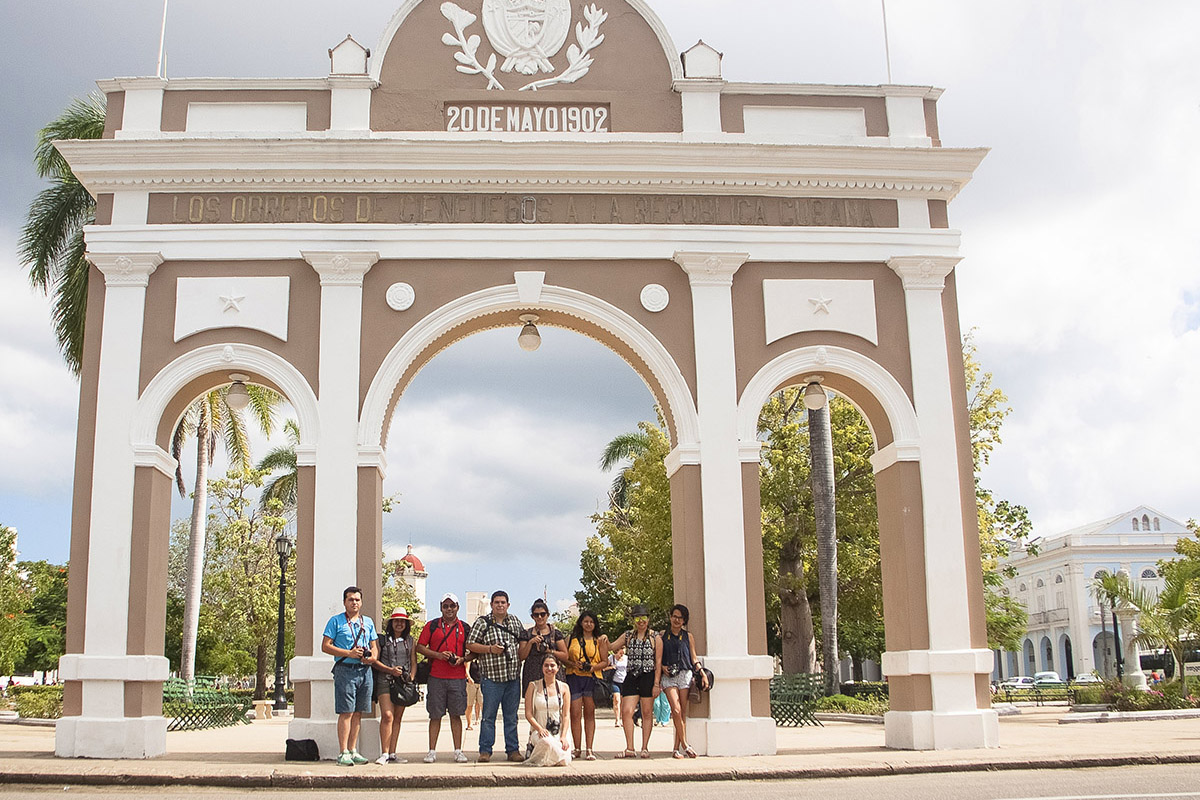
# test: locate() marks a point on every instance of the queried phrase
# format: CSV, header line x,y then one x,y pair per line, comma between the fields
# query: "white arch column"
x,y
335,501
104,667
951,663
731,729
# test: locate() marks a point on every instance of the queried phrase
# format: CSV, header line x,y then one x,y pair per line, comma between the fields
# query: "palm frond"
x,y
69,312
55,219
237,442
292,429
624,446
282,457
263,403
82,119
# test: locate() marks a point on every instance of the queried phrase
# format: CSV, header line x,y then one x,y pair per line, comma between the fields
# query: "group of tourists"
x,y
495,662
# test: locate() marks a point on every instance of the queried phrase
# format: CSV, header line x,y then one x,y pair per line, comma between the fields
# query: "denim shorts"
x,y
352,686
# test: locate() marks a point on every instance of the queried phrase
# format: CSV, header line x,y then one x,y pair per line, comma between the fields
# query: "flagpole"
x,y
887,47
162,40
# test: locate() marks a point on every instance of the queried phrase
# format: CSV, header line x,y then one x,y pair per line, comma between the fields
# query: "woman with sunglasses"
x,y
587,655
643,671
537,642
679,663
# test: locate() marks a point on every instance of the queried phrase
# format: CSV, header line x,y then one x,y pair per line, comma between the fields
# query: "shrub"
x,y
38,702
1091,695
841,704
865,689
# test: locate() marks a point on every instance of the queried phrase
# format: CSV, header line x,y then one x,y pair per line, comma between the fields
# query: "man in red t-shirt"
x,y
443,641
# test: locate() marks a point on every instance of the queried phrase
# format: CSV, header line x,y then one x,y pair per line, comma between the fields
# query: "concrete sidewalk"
x,y
252,756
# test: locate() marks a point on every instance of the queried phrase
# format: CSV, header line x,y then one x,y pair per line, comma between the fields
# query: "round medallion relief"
x,y
655,298
401,296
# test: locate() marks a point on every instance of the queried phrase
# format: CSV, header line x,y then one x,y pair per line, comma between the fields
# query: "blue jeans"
x,y
505,696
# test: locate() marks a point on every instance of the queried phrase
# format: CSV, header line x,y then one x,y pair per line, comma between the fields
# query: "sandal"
x,y
678,754
575,753
689,752
644,754
588,755
627,754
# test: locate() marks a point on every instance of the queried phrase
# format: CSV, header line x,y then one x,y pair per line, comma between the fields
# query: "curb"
x,y
278,780
1129,716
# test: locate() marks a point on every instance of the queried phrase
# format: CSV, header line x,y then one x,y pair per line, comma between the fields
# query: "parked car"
x,y
1019,682
1089,678
1047,680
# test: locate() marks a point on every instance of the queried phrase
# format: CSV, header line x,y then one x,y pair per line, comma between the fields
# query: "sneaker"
x,y
430,757
357,757
345,759
382,760
516,757
460,757
395,759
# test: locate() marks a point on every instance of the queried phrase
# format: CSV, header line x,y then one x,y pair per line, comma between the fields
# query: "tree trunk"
x,y
195,575
1103,641
260,672
820,439
857,667
795,612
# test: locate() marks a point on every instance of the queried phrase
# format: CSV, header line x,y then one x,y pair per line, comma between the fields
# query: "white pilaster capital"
x,y
937,662
341,268
923,272
155,457
363,82
684,454
373,457
126,269
711,269
306,455
894,453
703,85
750,452
140,669
310,668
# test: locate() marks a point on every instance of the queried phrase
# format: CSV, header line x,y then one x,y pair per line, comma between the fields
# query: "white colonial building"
x,y
1066,633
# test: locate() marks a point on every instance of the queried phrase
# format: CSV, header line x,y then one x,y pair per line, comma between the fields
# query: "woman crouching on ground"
x,y
549,727
397,661
678,663
587,655
643,669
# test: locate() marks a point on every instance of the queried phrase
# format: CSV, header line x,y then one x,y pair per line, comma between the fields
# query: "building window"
x,y
1024,588
1041,584
1145,522
1157,526
1135,524
1149,574
1058,578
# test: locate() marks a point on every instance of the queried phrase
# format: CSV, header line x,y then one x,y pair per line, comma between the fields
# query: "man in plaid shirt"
x,y
494,640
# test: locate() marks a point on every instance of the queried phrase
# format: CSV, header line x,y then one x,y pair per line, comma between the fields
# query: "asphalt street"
x,y
1174,782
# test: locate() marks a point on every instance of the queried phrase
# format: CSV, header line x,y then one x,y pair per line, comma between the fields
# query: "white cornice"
x,y
456,164
833,90
213,84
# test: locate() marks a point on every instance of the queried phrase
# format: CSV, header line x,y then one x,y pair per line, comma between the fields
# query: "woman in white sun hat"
x,y
397,662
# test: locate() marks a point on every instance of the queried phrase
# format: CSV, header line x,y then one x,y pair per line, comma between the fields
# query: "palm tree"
x,y
52,246
284,487
1169,619
624,447
211,420
820,438
1107,589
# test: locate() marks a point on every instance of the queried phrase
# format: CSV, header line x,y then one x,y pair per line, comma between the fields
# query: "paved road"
x,y
1122,783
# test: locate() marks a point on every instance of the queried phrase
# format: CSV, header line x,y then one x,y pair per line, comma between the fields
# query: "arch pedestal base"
x,y
321,724
97,737
929,730
732,737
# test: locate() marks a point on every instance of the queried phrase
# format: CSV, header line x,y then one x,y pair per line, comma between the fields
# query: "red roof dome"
x,y
412,559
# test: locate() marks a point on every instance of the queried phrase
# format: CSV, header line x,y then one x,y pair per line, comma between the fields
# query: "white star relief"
x,y
820,304
232,301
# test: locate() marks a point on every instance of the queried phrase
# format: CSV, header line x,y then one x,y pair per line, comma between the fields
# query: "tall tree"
x,y
52,246
12,604
210,421
820,438
45,590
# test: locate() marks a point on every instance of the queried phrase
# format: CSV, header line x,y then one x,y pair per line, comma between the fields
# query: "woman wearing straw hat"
x,y
397,660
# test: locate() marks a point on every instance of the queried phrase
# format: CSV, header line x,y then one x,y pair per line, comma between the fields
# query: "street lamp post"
x,y
283,546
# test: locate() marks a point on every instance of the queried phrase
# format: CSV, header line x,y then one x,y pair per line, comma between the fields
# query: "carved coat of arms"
x,y
528,33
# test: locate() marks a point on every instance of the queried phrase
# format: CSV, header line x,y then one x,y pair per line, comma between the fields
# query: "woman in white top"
x,y
547,709
618,662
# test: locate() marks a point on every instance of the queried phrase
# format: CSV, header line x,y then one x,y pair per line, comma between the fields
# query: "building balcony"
x,y
1048,617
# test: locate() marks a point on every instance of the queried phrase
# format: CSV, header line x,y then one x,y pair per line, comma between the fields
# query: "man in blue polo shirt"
x,y
350,639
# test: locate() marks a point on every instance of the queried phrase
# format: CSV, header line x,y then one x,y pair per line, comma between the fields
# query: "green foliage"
x,y
13,602
1165,697
240,599
38,702
873,706
1007,620
398,594
45,617
628,561
52,246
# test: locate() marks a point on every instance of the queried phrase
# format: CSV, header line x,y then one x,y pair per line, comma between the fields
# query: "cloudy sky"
x,y
1080,234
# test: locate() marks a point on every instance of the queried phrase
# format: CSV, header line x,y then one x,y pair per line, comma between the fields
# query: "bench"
x,y
262,709
794,698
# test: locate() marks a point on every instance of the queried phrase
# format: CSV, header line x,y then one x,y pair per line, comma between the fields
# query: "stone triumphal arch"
x,y
327,237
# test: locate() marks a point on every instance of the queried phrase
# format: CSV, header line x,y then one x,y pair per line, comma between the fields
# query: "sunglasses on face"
x,y
449,605
641,619
540,614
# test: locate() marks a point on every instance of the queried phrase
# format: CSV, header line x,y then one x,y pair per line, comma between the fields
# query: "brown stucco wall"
x,y
966,468
304,314
756,603
931,122
104,209
437,283
749,317
175,103
910,692
939,214
114,114
733,108
148,562
630,73
305,542
902,553
369,572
